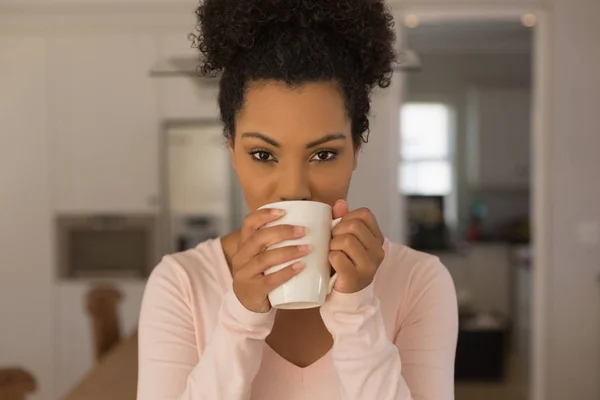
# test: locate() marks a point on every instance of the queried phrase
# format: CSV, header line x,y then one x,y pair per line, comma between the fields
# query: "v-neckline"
x,y
274,360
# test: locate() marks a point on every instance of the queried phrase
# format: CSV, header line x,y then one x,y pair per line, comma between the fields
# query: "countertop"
x,y
114,377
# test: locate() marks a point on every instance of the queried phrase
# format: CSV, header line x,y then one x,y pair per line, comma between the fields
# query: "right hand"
x,y
250,285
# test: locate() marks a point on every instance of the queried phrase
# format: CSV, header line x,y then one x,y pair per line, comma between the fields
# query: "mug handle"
x,y
334,276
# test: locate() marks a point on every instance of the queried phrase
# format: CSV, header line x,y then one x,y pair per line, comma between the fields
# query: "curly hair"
x,y
349,42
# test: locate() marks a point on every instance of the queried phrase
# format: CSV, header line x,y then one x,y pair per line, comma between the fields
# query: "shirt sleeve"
x,y
417,365
170,364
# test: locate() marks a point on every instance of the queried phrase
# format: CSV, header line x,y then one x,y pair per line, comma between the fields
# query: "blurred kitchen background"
x,y
465,173
112,155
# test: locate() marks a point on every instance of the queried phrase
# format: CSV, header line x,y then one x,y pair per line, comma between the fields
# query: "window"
x,y
426,162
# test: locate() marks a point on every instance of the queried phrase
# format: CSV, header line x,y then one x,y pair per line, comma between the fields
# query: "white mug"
x,y
311,286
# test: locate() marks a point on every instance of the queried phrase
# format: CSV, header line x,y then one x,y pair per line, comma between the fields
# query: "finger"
x,y
365,215
271,258
341,263
256,220
276,279
354,250
359,229
264,238
340,208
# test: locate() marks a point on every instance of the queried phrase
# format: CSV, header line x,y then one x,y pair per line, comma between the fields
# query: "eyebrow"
x,y
327,138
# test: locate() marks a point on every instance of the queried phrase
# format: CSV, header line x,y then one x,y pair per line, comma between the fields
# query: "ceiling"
x,y
477,36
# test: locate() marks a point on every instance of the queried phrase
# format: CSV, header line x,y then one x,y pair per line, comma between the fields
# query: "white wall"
x,y
574,292
375,182
26,290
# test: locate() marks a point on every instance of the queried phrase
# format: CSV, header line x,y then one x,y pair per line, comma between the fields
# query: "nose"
x,y
293,184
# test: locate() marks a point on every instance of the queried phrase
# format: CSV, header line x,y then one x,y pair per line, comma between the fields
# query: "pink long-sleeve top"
x,y
394,340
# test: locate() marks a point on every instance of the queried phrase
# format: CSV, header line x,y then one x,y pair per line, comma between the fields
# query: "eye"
x,y
261,156
324,155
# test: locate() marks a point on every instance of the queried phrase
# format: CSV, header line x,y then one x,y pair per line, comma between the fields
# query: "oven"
x,y
106,246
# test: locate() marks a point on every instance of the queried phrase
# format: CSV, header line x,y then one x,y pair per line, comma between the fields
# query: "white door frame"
x,y
540,145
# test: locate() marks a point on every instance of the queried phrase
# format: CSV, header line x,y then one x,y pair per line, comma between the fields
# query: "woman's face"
x,y
293,144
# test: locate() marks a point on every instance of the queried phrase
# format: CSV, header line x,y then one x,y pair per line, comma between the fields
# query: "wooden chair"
x,y
15,384
102,302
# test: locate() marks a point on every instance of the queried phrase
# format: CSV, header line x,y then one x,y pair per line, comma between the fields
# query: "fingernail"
x,y
277,212
304,248
298,266
299,230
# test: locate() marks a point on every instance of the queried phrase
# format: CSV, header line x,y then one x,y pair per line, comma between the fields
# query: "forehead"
x,y
293,113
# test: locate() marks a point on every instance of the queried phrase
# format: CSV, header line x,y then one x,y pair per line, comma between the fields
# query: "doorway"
x,y
471,147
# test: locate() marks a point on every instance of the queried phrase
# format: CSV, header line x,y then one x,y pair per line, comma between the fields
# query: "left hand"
x,y
356,248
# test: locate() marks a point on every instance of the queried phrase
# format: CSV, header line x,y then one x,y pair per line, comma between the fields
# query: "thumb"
x,y
340,208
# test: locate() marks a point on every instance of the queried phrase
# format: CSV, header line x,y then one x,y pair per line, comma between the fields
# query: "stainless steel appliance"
x,y
104,246
189,230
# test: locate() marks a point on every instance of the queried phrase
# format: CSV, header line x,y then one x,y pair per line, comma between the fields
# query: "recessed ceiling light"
x,y
529,20
412,21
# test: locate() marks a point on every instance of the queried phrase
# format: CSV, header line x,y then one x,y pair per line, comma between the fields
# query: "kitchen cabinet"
x,y
103,122
498,138
73,327
183,97
481,275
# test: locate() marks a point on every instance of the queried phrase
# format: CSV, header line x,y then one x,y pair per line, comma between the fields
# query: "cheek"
x,y
254,183
331,183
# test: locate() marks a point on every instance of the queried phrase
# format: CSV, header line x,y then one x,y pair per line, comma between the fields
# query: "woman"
x,y
294,100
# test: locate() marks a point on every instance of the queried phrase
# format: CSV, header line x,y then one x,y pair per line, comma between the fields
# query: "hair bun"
x,y
228,27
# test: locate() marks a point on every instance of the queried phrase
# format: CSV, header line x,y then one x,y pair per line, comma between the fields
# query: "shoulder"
x,y
198,270
416,267
183,295
411,279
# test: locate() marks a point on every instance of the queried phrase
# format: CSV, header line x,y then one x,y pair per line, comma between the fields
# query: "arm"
x,y
418,365
169,363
